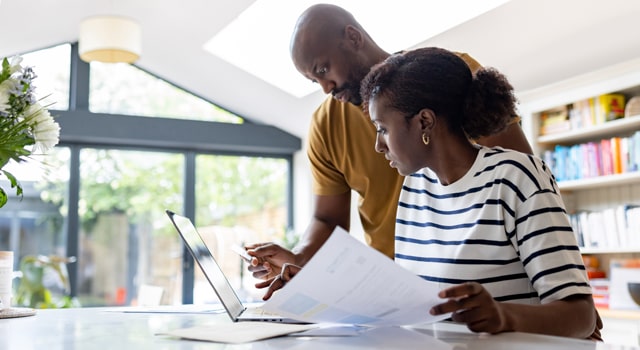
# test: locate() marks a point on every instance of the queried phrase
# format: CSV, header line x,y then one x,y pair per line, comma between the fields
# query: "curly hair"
x,y
478,105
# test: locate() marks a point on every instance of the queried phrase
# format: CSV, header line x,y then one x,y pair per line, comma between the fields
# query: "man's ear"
x,y
427,120
354,36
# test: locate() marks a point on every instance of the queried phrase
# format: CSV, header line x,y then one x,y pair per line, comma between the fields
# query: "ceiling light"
x,y
109,39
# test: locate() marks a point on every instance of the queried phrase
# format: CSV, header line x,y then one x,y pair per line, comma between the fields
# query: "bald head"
x,y
324,21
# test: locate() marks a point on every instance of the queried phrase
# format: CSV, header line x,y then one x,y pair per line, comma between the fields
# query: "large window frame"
x,y
81,128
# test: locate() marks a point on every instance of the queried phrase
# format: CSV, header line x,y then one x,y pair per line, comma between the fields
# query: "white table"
x,y
121,329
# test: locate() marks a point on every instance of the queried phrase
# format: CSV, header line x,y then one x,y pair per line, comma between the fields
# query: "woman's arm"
x,y
470,303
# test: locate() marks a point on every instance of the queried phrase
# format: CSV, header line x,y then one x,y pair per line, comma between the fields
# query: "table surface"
x,y
134,328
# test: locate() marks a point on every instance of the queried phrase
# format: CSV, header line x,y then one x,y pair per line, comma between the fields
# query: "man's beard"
x,y
353,93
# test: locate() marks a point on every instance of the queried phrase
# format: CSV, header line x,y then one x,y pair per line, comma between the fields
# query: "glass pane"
x,y
34,225
239,200
120,88
53,67
127,244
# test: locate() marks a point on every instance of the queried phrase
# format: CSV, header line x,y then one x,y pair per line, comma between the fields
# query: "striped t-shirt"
x,y
503,224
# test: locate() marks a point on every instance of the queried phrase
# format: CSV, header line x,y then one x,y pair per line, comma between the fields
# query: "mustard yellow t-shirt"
x,y
342,156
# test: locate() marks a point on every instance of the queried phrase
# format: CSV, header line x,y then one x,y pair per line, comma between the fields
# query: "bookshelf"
x,y
591,193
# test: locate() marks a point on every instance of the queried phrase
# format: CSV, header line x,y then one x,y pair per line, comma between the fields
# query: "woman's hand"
x,y
471,303
277,282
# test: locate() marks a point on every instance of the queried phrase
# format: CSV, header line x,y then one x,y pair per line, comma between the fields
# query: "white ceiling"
x,y
534,42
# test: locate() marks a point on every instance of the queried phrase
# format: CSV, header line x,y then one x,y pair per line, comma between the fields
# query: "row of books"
x,y
613,292
609,156
612,228
583,113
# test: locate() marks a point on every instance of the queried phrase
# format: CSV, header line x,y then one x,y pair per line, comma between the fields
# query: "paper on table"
x,y
172,309
238,332
351,283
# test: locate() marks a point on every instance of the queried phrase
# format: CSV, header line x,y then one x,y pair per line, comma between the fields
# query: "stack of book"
x,y
612,228
583,113
615,155
555,120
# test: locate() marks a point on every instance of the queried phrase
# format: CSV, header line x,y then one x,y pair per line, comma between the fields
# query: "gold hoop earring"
x,y
425,139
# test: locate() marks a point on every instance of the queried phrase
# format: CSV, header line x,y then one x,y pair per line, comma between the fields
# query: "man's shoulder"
x,y
331,108
473,64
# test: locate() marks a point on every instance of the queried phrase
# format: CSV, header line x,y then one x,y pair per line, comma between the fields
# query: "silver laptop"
x,y
219,282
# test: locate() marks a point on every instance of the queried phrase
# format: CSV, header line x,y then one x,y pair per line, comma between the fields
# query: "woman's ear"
x,y
427,120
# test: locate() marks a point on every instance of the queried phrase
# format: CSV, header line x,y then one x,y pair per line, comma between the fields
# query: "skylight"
x,y
258,40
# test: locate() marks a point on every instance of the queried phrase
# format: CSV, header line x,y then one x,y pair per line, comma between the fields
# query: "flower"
x,y
26,127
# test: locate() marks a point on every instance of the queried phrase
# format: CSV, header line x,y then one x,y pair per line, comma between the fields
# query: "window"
x,y
52,66
124,89
34,224
126,240
238,200
102,199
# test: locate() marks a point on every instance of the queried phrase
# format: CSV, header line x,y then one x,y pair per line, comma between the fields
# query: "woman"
x,y
488,224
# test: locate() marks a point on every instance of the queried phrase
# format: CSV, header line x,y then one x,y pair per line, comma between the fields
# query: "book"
x,y
555,120
615,155
610,107
605,156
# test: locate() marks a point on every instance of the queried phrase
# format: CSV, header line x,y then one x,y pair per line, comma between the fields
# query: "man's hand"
x,y
273,284
471,303
268,259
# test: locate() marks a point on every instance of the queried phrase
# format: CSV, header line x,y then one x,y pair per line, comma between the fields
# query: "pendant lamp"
x,y
109,39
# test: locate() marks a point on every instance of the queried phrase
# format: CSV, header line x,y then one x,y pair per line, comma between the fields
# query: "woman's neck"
x,y
452,160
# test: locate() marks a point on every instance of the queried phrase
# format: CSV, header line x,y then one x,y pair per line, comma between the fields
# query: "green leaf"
x,y
6,70
14,182
3,197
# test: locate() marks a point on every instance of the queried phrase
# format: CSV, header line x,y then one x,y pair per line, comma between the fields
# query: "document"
x,y
348,282
238,332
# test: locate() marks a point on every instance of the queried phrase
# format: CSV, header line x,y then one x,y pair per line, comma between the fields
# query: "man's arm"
x,y
512,138
329,212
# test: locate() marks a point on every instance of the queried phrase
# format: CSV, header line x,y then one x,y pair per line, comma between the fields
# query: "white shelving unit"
x,y
596,193
599,193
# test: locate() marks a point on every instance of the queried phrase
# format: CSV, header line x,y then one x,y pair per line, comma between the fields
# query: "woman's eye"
x,y
381,131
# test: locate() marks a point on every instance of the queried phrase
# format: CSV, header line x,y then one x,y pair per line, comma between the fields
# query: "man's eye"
x,y
322,70
381,131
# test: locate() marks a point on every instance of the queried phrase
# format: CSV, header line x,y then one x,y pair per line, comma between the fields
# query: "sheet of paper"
x,y
238,332
171,309
351,283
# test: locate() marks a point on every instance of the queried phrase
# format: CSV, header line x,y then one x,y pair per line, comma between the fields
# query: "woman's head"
x,y
430,78
407,93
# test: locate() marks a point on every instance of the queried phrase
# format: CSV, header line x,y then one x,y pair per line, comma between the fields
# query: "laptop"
x,y
236,310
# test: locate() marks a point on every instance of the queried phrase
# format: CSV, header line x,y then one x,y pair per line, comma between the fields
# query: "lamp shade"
x,y
109,39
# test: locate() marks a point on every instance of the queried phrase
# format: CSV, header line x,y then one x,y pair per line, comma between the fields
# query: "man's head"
x,y
330,47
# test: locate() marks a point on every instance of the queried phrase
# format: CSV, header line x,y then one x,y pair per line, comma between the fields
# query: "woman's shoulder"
x,y
510,163
499,154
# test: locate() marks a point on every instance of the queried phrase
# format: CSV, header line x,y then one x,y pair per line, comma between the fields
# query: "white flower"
x,y
24,122
46,131
15,64
5,87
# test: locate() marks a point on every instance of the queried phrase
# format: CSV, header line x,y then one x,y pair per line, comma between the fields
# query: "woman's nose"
x,y
380,145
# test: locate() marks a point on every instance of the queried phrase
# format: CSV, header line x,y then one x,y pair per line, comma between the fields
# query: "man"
x,y
330,47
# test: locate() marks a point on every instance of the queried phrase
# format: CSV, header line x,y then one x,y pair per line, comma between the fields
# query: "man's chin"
x,y
356,102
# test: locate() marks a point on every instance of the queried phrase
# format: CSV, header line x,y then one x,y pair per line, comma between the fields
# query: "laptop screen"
x,y
208,264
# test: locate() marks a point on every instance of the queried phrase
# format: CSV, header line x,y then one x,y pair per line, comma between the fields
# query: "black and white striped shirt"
x,y
503,225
